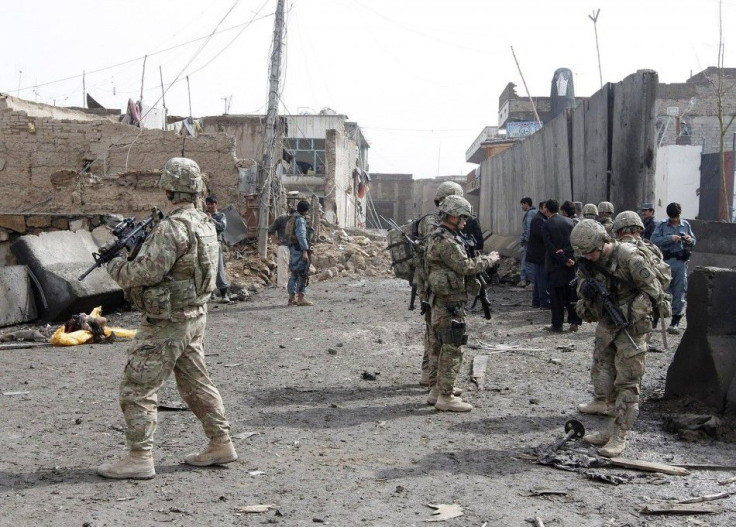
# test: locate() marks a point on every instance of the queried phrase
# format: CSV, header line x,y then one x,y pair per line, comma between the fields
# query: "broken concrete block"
x,y
17,303
57,259
704,365
80,224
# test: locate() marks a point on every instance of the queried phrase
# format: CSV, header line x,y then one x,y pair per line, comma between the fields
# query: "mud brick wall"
x,y
73,167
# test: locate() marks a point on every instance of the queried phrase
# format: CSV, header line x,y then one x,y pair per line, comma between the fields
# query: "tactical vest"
x,y
192,278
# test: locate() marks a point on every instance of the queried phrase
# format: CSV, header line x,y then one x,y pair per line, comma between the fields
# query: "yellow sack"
x,y
82,336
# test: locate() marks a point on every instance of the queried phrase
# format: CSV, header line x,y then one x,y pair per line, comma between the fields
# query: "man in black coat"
x,y
560,267
535,252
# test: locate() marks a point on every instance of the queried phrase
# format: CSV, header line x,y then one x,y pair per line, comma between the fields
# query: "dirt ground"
x,y
321,444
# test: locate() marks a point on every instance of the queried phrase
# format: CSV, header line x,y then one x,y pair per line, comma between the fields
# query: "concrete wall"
x,y
603,149
42,164
716,244
677,178
246,130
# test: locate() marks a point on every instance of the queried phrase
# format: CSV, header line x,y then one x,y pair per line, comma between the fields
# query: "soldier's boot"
x,y
292,299
597,406
225,297
434,393
450,403
138,464
219,451
616,444
301,301
599,438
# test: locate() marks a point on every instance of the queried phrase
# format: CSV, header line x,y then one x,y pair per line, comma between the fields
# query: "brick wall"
x,y
42,160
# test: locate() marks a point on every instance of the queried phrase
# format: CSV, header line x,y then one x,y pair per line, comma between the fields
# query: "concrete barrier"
x,y
704,365
57,259
17,303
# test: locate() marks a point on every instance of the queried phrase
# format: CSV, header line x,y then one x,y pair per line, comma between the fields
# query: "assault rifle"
x,y
484,278
593,289
413,244
129,235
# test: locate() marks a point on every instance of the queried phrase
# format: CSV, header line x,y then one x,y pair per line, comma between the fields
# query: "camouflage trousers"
x,y
431,350
160,347
617,370
448,327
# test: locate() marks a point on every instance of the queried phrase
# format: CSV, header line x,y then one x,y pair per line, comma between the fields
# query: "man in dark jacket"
x,y
560,266
535,251
647,216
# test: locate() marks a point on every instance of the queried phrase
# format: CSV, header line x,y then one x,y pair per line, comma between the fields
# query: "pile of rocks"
x,y
337,253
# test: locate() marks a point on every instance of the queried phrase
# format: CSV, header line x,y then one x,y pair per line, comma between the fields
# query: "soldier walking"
x,y
170,281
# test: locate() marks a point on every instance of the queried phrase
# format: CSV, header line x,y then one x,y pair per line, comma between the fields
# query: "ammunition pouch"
x,y
160,301
455,334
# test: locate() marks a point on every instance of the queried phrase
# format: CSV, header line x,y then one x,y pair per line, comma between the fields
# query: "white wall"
x,y
677,178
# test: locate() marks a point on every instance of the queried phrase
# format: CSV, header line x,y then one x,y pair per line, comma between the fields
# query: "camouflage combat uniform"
x,y
451,276
170,283
618,364
425,227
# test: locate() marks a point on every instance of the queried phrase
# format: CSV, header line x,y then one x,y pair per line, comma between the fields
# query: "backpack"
x,y
402,251
653,257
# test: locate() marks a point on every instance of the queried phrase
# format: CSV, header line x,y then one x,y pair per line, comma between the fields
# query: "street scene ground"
x,y
320,442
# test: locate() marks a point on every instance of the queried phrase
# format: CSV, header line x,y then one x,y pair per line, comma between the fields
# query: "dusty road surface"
x,y
322,445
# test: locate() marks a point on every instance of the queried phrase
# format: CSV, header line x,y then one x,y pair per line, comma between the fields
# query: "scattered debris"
x,y
253,509
256,473
566,348
704,467
606,477
332,351
536,521
24,335
16,393
648,466
727,481
678,508
694,427
444,511
244,435
707,497
368,376
478,372
20,345
546,492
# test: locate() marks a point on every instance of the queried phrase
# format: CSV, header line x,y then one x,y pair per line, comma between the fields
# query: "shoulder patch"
x,y
644,273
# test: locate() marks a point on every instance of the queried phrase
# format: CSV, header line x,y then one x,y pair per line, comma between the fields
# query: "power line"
x,y
141,58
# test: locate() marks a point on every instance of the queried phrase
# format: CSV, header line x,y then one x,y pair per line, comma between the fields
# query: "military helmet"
x,y
590,210
627,218
455,206
587,236
605,206
181,175
447,188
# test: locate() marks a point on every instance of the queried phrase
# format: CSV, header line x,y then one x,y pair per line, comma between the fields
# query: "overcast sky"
x,y
421,77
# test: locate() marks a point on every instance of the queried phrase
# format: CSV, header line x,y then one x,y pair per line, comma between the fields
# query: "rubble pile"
x,y
337,253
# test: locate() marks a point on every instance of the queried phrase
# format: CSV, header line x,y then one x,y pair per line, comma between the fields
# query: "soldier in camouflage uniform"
x,y
605,216
170,281
619,355
451,275
590,211
425,227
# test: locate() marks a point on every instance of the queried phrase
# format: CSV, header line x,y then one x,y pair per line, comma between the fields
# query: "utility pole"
x,y
266,174
163,94
594,18
534,106
143,76
84,90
